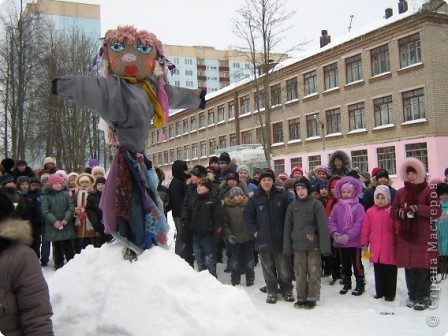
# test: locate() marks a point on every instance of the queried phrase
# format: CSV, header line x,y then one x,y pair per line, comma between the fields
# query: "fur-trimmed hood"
x,y
348,179
374,182
230,201
16,230
346,163
417,165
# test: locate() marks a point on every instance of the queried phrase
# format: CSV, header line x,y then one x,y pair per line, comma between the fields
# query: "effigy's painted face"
x,y
128,60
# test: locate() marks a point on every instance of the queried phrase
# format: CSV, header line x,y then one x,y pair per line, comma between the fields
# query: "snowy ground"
x,y
99,293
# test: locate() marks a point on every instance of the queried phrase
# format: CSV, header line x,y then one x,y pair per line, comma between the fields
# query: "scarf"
x,y
348,211
146,85
408,228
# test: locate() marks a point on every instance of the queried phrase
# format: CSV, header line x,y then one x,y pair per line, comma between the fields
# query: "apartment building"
x,y
207,67
380,95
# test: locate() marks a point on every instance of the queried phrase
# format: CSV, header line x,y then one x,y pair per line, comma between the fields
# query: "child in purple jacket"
x,y
345,227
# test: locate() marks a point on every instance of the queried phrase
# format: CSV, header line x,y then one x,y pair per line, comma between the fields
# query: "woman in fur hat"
x,y
416,207
339,163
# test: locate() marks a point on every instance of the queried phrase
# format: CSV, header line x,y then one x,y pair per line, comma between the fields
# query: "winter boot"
x,y
347,287
360,287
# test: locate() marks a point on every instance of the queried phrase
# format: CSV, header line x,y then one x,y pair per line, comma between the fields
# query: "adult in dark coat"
x,y
264,215
177,191
415,207
22,169
25,301
339,164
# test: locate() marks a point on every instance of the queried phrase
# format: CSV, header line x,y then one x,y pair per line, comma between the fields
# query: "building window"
x,y
331,76
159,159
259,99
333,118
189,84
185,128
379,58
409,49
294,129
171,130
244,105
275,95
277,132
153,138
194,151
187,152
309,82
188,61
314,161
179,153
203,148
246,137
386,159
233,140
279,166
222,142
193,123
413,105
291,89
178,128
296,162
382,109
165,157
231,111
172,155
211,117
201,119
221,113
189,72
312,129
419,151
353,68
360,160
356,116
212,145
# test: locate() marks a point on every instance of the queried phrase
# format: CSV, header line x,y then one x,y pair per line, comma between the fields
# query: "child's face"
x,y
381,200
297,174
323,192
85,184
100,186
201,189
346,193
302,192
57,186
10,185
266,184
24,186
412,176
338,163
97,175
244,175
444,197
382,180
232,183
34,186
71,182
362,179
238,198
321,175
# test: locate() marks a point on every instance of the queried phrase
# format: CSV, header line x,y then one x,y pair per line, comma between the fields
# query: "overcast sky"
x,y
209,22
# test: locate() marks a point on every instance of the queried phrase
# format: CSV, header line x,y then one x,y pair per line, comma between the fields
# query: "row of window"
x,y
413,104
385,158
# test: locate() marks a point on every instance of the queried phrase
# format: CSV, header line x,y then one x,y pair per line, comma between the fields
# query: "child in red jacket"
x,y
378,234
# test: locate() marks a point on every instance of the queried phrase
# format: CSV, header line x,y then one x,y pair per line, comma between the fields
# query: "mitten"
x,y
344,239
401,213
232,239
413,208
336,236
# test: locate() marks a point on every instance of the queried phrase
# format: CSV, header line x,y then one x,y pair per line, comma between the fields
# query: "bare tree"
x,y
261,25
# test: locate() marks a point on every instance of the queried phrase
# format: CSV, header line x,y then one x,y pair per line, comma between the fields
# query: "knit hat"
x,y
348,186
366,175
282,176
93,163
382,173
199,171
320,169
353,173
5,179
213,159
375,170
233,176
266,172
49,159
72,174
322,185
297,168
62,173
442,188
334,181
6,206
242,167
22,179
55,178
44,178
235,191
302,182
98,169
383,190
101,180
224,157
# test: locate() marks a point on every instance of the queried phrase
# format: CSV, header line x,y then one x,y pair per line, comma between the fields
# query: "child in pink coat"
x,y
378,233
